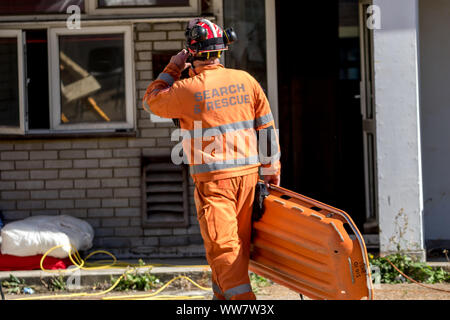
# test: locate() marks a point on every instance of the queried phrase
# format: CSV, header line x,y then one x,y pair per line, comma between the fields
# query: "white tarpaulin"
x,y
38,234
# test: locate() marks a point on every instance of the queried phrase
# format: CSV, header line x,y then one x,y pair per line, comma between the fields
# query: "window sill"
x,y
70,135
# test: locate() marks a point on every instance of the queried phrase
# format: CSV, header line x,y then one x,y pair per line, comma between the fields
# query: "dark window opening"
x,y
321,95
9,83
161,59
37,79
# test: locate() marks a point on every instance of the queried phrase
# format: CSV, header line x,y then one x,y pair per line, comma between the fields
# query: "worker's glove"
x,y
261,192
180,59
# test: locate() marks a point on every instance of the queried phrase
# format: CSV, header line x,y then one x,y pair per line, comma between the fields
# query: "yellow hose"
x,y
82,264
140,296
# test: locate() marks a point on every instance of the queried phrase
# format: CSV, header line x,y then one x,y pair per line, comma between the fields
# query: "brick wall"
x,y
98,179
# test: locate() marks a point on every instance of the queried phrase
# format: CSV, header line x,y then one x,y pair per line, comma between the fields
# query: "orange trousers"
x,y
224,212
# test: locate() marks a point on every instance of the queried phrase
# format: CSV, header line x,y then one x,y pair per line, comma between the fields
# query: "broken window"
x,y
92,78
60,79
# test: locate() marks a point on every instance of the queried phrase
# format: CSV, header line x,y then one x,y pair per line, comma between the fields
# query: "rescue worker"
x,y
224,112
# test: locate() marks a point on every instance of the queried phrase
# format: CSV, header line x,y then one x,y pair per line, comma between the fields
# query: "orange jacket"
x,y
222,113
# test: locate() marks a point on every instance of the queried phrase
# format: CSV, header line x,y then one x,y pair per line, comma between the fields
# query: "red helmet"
x,y
203,36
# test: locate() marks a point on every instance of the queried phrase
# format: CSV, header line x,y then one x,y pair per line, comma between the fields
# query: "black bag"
x,y
261,192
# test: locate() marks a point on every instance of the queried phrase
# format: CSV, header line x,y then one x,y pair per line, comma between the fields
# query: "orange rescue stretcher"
x,y
302,244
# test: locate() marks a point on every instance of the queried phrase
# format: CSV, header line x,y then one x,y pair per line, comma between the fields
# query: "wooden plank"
x,y
98,109
79,89
72,66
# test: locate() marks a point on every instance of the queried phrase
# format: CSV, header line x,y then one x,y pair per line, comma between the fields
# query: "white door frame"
x,y
271,52
368,116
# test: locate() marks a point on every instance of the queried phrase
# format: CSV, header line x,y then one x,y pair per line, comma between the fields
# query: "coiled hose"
x,y
80,263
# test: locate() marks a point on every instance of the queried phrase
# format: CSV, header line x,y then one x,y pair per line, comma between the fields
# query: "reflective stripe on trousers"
x,y
218,294
230,293
241,289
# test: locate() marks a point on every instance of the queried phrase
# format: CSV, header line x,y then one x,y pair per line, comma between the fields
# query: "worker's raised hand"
x,y
180,59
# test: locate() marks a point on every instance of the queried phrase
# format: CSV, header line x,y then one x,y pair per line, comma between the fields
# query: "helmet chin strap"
x,y
203,57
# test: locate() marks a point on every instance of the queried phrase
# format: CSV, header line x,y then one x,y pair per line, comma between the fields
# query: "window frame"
x,y
18,34
91,10
55,87
91,7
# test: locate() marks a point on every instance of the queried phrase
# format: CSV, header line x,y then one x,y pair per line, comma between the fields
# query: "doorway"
x,y
319,104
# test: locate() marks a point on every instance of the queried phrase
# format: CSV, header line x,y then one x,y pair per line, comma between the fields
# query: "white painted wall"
x,y
398,127
435,114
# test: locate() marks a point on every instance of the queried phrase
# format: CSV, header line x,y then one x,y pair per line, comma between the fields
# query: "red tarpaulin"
x,y
10,263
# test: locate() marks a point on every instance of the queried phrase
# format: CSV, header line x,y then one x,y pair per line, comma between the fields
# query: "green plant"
x,y
417,270
258,281
136,281
13,285
56,283
101,285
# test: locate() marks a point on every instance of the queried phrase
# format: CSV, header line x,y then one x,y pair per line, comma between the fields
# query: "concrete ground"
x,y
275,292
95,281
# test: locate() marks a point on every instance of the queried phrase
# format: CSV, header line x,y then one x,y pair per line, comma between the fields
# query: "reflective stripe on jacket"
x,y
222,113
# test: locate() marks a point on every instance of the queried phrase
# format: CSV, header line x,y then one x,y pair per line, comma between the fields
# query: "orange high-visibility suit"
x,y
222,113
